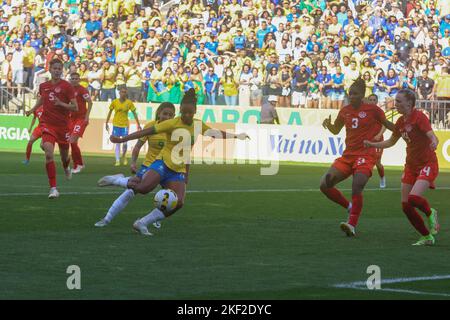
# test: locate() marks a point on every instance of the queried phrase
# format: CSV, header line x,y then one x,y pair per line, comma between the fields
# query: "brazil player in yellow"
x,y
120,107
156,142
170,167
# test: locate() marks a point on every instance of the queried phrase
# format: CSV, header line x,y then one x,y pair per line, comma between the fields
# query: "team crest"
x,y
408,128
362,114
57,89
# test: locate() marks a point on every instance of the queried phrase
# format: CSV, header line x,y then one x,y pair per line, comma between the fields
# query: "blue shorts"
x,y
119,131
142,170
167,175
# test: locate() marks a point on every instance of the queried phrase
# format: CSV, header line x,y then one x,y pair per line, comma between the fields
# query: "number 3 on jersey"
x,y
354,123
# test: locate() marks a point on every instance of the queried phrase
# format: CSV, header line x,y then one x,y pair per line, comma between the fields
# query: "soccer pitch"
x,y
239,236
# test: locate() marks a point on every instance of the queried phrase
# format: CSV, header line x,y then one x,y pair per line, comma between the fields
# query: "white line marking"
x,y
12,194
361,285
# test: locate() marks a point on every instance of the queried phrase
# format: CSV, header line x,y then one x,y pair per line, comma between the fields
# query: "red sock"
x,y
76,155
381,171
355,212
335,195
29,147
420,203
51,173
415,218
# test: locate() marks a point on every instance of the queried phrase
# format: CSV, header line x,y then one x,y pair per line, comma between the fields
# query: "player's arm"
x,y
382,144
335,127
88,112
216,133
71,106
388,125
380,134
36,105
135,155
107,119
133,136
32,124
137,120
434,140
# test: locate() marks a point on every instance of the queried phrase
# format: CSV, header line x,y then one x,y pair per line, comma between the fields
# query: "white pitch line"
x,y
361,285
13,194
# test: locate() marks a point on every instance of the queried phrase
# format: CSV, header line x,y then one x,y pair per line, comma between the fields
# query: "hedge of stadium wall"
x,y
300,137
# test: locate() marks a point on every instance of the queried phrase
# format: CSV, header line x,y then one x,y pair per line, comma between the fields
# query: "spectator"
x,y
230,87
211,81
300,87
269,113
256,84
244,86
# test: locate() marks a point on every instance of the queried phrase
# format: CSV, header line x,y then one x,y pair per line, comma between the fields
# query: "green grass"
x,y
222,245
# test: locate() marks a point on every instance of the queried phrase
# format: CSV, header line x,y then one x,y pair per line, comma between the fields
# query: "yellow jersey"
x,y
121,112
172,153
156,143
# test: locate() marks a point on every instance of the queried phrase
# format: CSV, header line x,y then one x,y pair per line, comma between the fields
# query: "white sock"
x,y
117,151
122,182
119,204
155,215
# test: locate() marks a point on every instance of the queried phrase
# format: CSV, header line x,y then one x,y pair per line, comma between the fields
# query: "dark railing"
x,y
15,99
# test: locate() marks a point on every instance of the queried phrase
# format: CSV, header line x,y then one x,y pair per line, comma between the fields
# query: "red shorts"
x,y
77,127
37,132
428,172
53,134
349,165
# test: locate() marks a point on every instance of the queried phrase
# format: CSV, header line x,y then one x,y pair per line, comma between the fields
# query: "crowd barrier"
x,y
307,142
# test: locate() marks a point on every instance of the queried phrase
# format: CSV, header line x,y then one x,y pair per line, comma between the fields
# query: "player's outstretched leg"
x,y
50,168
157,215
358,184
65,159
117,150
414,218
380,169
327,186
29,149
416,199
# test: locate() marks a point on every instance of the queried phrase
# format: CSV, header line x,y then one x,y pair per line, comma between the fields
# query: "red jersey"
x,y
360,124
56,115
38,112
82,95
413,130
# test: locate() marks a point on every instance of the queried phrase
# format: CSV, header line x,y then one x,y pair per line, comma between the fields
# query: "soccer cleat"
x,y
157,224
117,163
138,226
383,183
101,223
77,169
348,229
425,241
53,193
68,173
26,161
109,180
433,222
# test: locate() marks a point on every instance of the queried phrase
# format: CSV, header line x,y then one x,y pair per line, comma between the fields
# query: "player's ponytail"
x,y
189,98
359,85
162,106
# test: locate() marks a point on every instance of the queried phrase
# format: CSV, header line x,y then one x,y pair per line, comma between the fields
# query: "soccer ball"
x,y
166,200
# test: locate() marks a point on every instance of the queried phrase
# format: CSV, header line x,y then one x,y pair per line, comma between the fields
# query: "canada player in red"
x,y
373,99
421,168
57,97
37,133
79,120
359,120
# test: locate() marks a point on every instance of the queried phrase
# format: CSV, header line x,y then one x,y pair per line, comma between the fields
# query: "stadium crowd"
x,y
233,52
